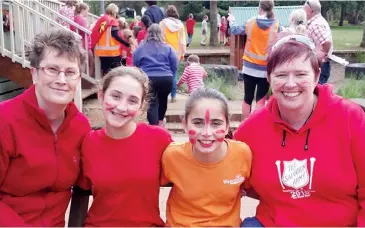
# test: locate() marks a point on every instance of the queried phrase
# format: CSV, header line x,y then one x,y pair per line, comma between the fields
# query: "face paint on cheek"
x,y
220,135
192,136
132,113
108,106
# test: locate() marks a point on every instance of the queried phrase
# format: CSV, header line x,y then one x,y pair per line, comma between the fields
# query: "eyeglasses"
x,y
299,38
307,2
70,74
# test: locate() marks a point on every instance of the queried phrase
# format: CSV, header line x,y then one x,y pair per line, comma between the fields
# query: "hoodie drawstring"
x,y
306,139
283,141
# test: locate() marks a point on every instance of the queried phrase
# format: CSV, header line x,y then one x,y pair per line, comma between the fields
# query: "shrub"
x,y
214,81
360,57
352,88
232,92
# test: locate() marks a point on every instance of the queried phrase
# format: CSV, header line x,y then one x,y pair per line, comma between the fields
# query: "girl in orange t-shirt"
x,y
208,172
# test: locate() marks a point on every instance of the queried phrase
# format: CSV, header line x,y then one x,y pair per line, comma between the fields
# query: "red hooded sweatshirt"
x,y
37,167
314,176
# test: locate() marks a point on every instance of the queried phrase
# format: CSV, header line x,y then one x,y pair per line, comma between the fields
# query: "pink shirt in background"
x,y
194,75
68,12
141,35
80,20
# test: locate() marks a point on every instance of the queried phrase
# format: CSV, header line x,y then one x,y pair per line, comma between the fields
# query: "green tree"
x,y
363,38
194,7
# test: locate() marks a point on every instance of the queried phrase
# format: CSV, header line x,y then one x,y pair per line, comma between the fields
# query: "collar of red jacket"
x,y
31,106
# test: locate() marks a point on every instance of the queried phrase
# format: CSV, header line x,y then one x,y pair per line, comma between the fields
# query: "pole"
x,y
101,7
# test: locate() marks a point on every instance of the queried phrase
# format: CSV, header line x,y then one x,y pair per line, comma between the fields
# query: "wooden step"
x,y
15,72
88,92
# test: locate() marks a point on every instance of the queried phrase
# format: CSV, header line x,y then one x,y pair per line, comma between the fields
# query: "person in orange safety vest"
x,y
105,39
261,32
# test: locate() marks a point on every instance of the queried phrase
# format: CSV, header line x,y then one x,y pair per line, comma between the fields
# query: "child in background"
x,y
142,33
193,74
190,24
204,30
122,23
136,22
222,32
208,172
127,53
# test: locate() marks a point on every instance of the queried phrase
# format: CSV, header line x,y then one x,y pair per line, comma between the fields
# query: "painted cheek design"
x,y
108,106
192,136
220,135
132,113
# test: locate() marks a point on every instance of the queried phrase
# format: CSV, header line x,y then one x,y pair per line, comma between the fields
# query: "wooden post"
x,y
236,50
78,96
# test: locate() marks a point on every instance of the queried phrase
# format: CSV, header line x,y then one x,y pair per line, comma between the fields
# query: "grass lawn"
x,y
346,37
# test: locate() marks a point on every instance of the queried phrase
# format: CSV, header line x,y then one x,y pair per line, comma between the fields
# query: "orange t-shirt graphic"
x,y
205,194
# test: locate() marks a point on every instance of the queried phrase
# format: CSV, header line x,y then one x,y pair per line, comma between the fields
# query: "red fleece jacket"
x,y
321,186
37,167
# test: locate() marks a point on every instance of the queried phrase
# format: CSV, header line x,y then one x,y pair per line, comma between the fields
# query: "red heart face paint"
x,y
220,135
132,113
110,107
192,136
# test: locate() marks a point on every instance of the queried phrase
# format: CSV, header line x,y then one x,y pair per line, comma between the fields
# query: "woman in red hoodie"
x,y
121,162
41,132
311,169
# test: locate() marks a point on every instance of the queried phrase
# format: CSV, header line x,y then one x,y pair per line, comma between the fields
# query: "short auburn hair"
x,y
289,51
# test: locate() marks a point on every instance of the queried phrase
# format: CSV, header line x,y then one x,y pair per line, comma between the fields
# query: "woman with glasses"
x,y
41,132
311,169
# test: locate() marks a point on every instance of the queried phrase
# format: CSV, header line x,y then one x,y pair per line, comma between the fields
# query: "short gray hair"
x,y
315,5
61,40
154,33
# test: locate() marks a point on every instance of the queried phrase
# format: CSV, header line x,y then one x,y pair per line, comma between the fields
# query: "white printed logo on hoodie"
x,y
296,179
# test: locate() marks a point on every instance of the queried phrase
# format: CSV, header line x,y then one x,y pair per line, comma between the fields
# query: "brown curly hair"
x,y
63,41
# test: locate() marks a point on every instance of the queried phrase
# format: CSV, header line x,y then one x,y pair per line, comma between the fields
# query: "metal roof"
x,y
282,13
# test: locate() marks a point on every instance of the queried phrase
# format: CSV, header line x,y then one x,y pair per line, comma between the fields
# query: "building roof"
x,y
282,13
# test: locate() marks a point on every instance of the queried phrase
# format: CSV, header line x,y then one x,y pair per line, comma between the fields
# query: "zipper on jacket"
x,y
55,151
